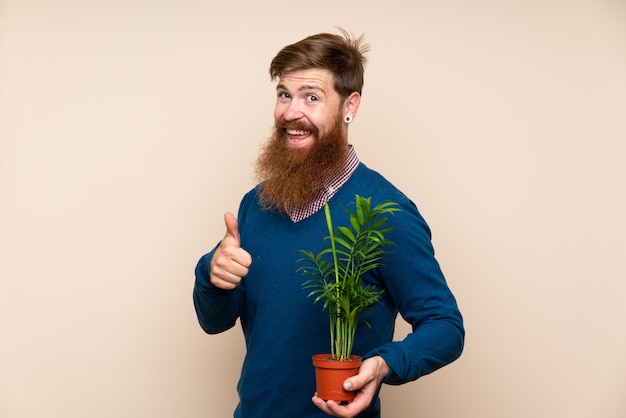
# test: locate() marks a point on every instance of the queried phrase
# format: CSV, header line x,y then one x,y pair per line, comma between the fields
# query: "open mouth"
x,y
298,137
293,132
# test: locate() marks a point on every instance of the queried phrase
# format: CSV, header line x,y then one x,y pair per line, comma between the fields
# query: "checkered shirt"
x,y
332,185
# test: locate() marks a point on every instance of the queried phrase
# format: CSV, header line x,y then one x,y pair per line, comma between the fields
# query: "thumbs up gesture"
x,y
230,262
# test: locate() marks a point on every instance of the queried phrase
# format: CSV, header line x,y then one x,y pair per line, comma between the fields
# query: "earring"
x,y
348,119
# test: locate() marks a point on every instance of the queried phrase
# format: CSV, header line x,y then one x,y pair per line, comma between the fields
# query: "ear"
x,y
351,104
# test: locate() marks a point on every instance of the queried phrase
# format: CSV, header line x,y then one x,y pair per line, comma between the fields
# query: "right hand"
x,y
230,262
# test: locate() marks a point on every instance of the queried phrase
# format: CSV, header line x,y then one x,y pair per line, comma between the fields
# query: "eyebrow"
x,y
303,87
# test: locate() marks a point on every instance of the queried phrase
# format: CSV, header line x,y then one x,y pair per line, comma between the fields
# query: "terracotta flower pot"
x,y
330,375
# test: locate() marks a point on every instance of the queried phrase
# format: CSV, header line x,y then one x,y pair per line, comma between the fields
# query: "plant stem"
x,y
336,334
329,223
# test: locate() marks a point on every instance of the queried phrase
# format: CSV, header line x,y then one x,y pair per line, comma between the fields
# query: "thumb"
x,y
232,227
353,383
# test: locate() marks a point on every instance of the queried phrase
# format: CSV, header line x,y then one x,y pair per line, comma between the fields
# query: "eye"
x,y
284,95
312,98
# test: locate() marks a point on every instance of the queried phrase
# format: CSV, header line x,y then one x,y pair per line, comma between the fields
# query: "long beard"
x,y
294,177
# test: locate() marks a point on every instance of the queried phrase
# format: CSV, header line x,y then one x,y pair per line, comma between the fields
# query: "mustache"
x,y
298,125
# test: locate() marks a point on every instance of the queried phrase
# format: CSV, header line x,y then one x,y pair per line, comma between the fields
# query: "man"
x,y
251,274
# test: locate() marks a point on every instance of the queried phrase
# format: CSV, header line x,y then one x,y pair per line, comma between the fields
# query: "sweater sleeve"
x,y
217,309
416,284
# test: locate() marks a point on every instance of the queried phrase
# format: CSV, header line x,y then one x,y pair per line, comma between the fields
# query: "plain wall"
x,y
127,128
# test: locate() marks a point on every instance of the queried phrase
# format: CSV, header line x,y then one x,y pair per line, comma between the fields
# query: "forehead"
x,y
313,78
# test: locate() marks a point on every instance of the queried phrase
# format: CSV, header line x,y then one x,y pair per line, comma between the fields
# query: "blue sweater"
x,y
283,328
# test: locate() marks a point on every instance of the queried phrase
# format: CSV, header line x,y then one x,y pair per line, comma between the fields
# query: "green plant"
x,y
338,269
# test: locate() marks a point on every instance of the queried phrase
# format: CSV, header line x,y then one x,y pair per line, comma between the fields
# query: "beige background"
x,y
127,127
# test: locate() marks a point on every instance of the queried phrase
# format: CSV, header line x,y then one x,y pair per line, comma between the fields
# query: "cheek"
x,y
323,122
278,112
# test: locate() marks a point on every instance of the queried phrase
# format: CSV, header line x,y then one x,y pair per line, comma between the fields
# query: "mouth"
x,y
299,138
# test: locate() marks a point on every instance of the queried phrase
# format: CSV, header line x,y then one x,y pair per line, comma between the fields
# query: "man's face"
x,y
309,142
307,106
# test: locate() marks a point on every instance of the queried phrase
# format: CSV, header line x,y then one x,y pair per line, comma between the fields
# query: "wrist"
x,y
383,368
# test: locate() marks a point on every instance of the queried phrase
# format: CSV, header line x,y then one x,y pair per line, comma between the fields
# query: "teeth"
x,y
294,132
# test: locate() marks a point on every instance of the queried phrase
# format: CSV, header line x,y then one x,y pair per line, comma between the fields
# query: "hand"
x,y
230,262
371,374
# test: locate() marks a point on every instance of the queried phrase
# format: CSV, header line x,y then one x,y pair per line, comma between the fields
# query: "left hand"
x,y
371,374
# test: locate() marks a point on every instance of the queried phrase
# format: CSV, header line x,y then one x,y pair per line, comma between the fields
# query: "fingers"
x,y
350,410
230,262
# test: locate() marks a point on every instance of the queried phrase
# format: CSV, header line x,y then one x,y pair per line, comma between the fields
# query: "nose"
x,y
293,111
